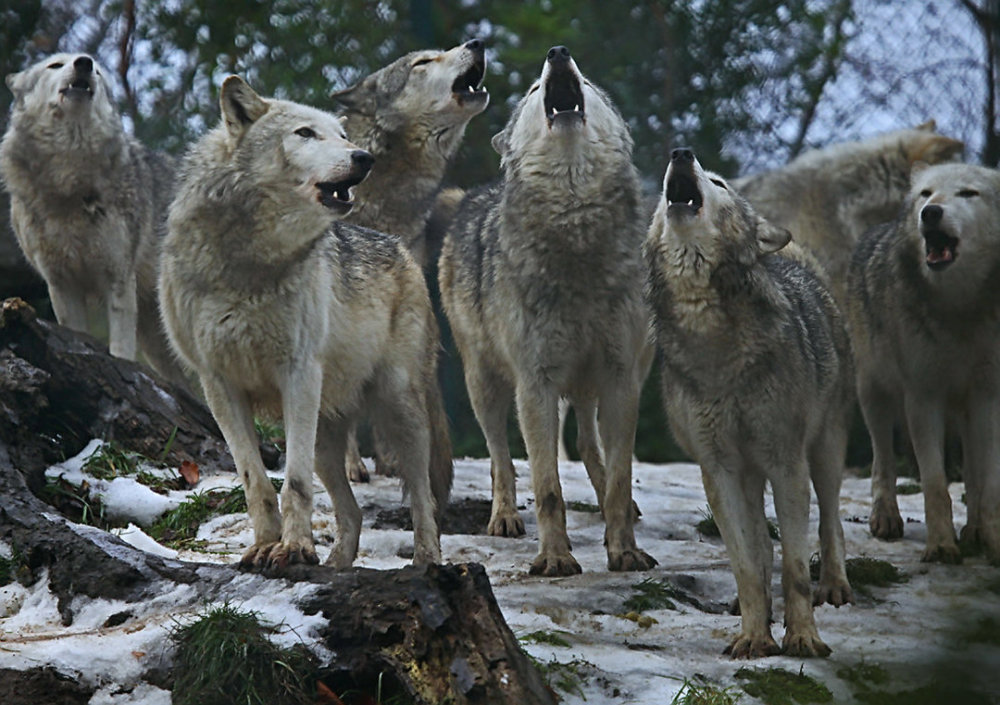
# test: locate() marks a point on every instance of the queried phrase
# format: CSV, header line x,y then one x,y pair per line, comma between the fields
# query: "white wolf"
x,y
281,313
88,203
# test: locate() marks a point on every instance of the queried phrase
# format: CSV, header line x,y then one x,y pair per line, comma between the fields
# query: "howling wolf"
x,y
829,197
924,312
541,278
280,313
756,382
88,203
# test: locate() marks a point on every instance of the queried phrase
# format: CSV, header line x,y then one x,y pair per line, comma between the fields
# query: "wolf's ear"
x,y
928,126
499,142
359,98
14,81
241,106
936,149
771,238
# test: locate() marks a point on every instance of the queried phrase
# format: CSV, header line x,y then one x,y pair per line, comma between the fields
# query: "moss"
x,y
652,594
908,488
545,637
864,674
583,507
226,658
776,686
700,692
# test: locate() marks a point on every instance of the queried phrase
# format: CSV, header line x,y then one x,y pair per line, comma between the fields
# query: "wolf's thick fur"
x,y
281,313
756,382
925,324
828,197
541,278
88,203
411,115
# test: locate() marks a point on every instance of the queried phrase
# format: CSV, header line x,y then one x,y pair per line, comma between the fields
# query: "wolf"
x,y
282,312
923,314
541,280
828,197
411,116
756,373
88,203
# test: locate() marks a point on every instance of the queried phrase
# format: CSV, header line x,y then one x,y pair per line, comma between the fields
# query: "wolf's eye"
x,y
719,183
926,193
968,193
56,65
306,133
421,62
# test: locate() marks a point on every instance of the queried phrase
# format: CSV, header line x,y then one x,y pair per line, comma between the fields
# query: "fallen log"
x,y
435,630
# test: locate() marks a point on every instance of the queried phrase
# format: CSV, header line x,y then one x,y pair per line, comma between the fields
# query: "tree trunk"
x,y
436,630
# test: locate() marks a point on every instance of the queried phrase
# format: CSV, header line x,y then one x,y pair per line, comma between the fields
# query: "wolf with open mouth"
x,y
541,278
283,312
924,316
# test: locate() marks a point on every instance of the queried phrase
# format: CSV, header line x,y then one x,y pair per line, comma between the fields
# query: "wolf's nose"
x,y
682,154
475,44
83,64
362,159
931,214
558,54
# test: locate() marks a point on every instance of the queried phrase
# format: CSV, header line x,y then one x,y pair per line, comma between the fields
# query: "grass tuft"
x,y
110,460
864,573
586,507
653,594
704,693
776,686
545,637
567,677
708,527
226,658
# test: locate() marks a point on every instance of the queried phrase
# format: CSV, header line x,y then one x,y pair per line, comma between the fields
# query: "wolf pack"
x,y
279,270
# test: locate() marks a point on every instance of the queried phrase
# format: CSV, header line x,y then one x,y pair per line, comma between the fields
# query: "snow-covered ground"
x,y
918,631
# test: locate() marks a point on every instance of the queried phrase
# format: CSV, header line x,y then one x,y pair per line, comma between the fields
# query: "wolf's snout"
x,y
476,45
362,159
84,65
558,55
932,214
682,155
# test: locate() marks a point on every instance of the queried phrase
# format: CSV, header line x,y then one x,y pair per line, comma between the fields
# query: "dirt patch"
x,y
467,516
41,686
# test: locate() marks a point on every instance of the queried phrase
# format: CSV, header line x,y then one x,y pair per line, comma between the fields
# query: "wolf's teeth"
x,y
691,202
553,110
471,89
576,108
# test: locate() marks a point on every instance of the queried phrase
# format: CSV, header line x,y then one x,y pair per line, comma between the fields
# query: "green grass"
x,y
111,461
708,527
567,677
273,433
864,675
776,686
75,502
864,573
868,680
652,594
587,507
226,658
908,488
701,692
8,570
546,637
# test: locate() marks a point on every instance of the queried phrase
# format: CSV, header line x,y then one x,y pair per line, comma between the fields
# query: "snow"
x,y
913,630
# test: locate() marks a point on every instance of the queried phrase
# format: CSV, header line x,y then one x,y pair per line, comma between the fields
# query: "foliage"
x,y
653,594
75,502
567,677
226,658
699,692
546,637
776,686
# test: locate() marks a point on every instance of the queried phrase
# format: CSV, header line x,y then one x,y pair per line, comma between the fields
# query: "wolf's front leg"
x,y
123,318
68,304
231,409
879,410
925,421
538,412
331,440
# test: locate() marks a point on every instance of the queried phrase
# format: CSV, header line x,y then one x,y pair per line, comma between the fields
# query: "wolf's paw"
x,y
745,646
942,553
554,565
256,556
386,465
886,522
631,559
340,557
510,525
804,645
284,554
424,555
833,592
356,470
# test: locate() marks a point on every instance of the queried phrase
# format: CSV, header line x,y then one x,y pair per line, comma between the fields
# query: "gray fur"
x,y
281,314
829,197
88,204
927,343
541,278
756,377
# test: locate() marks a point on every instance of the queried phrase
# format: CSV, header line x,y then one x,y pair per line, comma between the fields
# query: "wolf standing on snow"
x,y
925,325
280,313
88,203
756,382
541,278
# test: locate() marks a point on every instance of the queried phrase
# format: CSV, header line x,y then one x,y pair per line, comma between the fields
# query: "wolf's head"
x,y
424,91
562,117
64,88
952,216
707,223
292,153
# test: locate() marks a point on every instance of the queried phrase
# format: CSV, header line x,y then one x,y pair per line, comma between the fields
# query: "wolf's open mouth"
x,y
336,195
563,96
80,87
469,85
942,249
683,196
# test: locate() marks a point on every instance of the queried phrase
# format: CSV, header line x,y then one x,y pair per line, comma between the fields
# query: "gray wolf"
x,y
828,197
283,313
541,279
923,314
756,373
411,116
88,203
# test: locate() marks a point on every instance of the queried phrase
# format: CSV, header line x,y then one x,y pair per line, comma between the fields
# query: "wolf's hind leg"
x,y
331,441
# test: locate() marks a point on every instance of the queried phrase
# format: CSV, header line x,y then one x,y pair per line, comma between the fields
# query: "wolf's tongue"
x,y
938,256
